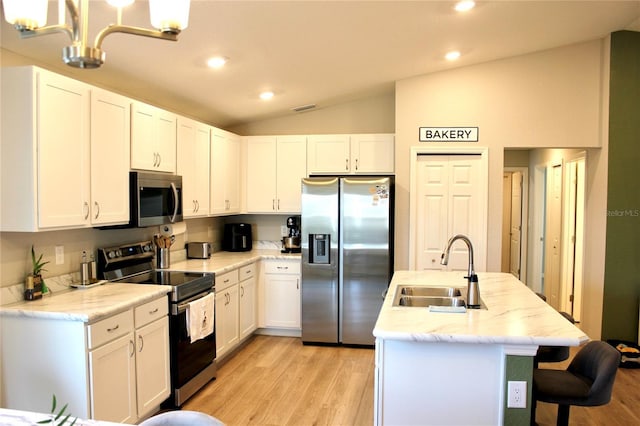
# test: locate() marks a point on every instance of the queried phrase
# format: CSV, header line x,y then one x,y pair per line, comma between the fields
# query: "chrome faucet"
x,y
473,291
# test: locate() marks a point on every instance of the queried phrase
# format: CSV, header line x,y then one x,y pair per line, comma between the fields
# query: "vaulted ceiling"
x,y
314,52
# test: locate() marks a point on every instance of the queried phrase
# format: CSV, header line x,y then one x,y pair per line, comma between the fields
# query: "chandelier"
x,y
29,17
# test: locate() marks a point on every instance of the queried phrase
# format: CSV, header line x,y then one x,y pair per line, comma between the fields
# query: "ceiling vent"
x,y
303,108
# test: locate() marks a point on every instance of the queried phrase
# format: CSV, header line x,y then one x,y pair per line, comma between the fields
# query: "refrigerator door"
x,y
366,255
319,244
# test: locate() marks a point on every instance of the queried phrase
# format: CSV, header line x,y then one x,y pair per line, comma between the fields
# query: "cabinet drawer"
x,y
247,272
151,311
109,328
271,267
226,280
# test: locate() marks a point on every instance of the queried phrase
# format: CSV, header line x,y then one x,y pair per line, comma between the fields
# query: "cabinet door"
x,y
63,152
261,174
217,199
227,329
201,166
372,153
152,365
233,174
153,138
247,306
282,300
110,136
328,154
112,375
143,149
225,172
193,166
165,141
292,150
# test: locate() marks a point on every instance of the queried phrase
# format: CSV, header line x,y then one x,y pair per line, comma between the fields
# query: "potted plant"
x,y
34,284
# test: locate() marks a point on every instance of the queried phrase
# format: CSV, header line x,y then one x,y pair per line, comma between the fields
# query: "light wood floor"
x,y
280,381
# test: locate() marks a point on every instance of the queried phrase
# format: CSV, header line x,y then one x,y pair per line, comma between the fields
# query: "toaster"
x,y
198,250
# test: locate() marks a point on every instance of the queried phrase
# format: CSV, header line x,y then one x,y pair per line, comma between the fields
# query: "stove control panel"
x,y
110,258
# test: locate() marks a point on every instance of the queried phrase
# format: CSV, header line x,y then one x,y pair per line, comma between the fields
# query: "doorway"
x,y
515,211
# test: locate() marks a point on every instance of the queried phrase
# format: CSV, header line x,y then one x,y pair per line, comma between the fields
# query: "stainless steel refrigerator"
x,y
347,256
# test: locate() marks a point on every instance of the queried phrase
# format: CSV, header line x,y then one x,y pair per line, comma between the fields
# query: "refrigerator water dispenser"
x,y
319,248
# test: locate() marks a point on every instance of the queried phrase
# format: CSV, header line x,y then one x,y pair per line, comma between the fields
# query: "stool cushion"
x,y
560,386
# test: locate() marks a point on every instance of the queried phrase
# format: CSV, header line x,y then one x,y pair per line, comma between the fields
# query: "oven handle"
x,y
176,310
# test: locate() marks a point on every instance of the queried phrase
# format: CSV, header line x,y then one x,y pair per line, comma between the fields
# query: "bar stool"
x,y
588,381
552,353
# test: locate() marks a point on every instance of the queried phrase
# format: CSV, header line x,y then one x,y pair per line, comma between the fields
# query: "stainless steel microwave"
x,y
156,199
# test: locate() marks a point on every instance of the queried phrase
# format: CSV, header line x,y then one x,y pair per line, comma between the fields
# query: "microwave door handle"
x,y
175,202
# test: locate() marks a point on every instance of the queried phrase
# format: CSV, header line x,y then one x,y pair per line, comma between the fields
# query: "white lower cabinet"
x,y
116,369
227,309
281,305
247,288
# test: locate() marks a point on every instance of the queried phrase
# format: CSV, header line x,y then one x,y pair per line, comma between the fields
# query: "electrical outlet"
x,y
59,255
517,394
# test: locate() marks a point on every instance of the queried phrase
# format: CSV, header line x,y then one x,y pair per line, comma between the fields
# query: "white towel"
x,y
200,319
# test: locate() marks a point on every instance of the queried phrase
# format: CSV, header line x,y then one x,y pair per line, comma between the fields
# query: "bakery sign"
x,y
448,134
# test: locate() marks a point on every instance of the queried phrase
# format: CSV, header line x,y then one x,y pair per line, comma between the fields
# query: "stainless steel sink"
x,y
426,301
429,291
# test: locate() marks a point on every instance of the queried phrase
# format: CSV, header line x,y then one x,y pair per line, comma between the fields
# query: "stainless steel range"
x,y
192,363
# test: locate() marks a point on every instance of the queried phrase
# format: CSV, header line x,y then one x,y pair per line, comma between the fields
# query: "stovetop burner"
x,y
133,263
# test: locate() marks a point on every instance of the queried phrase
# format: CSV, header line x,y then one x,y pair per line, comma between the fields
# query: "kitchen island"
x,y
453,367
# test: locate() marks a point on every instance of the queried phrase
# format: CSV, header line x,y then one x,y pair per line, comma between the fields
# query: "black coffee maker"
x,y
291,243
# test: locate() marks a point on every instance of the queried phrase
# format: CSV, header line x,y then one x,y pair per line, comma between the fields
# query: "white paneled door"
x,y
450,199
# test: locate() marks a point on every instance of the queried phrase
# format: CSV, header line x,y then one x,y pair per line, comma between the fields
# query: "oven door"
x,y
188,359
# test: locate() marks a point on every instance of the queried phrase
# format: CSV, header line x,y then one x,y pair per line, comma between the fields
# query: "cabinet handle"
x,y
282,267
278,204
197,206
95,203
85,207
226,281
153,312
346,164
155,159
297,283
141,340
241,291
356,164
273,204
112,329
159,159
133,348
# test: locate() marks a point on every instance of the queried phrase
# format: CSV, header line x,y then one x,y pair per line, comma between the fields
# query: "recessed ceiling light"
x,y
465,5
217,62
452,56
265,96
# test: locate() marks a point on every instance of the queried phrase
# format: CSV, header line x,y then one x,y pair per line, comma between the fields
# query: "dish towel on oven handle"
x,y
200,319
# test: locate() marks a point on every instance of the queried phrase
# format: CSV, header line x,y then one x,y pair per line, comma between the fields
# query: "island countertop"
x,y
87,305
514,316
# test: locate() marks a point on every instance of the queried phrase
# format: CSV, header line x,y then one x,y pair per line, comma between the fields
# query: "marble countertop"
x,y
224,261
514,316
29,418
87,305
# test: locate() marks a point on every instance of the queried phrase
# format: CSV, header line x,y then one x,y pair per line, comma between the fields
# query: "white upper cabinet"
x,y
351,154
193,165
153,138
225,172
275,166
110,141
45,151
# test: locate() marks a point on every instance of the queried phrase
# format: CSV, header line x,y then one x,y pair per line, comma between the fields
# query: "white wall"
x,y
555,98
